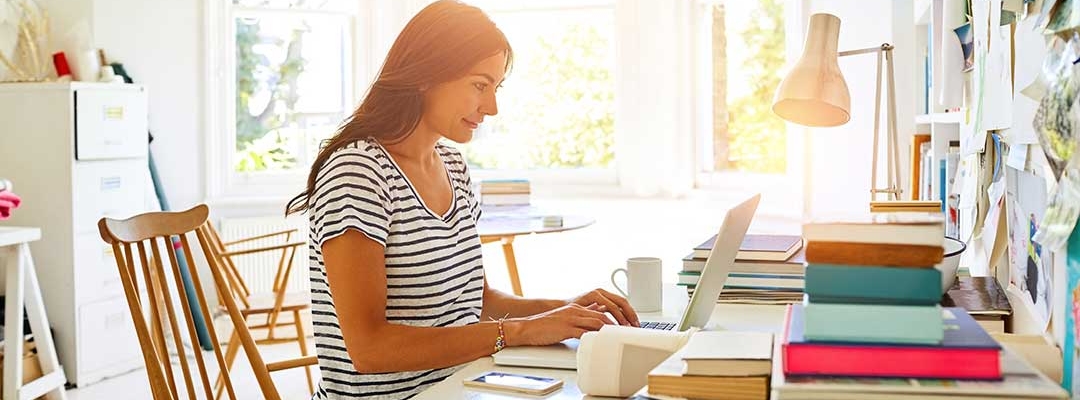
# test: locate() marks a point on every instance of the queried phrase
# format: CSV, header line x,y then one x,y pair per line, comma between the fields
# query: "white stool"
x,y
23,289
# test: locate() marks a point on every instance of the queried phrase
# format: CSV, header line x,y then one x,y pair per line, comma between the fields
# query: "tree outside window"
x,y
747,136
557,107
291,75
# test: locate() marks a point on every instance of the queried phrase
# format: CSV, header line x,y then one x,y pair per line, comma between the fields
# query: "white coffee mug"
x,y
644,287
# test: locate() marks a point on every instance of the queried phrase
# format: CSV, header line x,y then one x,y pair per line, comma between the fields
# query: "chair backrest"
x,y
139,245
241,291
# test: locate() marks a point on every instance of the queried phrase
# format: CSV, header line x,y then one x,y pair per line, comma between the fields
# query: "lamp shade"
x,y
814,92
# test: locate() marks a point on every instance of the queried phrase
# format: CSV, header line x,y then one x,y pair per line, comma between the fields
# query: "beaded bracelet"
x,y
500,340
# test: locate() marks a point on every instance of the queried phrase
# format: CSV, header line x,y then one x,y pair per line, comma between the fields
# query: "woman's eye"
x,y
480,86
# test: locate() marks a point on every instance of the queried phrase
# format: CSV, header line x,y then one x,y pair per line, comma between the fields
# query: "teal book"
x,y
866,323
826,283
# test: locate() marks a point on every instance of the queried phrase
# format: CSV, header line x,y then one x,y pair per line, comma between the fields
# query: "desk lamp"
x,y
814,94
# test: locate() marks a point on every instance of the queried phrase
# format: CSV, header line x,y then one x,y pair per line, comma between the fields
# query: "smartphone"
x,y
517,383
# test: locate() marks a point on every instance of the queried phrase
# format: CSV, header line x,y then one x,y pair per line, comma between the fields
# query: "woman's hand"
x,y
614,304
569,321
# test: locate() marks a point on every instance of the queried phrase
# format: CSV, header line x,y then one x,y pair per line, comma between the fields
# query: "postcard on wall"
x,y
1056,116
1063,210
1030,45
1030,263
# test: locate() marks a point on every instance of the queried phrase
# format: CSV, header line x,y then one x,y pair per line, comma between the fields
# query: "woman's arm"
x,y
498,304
356,273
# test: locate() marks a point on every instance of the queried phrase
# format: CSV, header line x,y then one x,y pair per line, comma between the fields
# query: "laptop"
x,y
717,267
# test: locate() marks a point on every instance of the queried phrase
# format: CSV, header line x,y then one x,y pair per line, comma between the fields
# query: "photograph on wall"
x,y
1030,263
1055,117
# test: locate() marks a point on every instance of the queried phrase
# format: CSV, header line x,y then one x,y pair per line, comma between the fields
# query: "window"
x,y
281,77
746,40
557,106
291,72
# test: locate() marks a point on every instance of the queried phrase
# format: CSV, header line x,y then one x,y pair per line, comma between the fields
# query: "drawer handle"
x,y
114,113
111,183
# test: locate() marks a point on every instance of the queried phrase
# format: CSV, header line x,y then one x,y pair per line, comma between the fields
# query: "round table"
x,y
504,223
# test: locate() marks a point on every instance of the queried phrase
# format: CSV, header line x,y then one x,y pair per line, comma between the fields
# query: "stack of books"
x,y
717,365
505,192
872,309
767,270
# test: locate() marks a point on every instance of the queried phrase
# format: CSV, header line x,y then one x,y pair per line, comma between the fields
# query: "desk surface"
x,y
502,221
10,235
736,317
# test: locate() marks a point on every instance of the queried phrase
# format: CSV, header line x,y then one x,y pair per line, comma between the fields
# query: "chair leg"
x,y
231,350
302,339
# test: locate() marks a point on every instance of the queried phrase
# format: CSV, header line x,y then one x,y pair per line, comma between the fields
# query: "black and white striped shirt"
x,y
434,270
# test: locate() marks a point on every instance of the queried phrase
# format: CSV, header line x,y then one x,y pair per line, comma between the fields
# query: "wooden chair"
x,y
147,238
268,304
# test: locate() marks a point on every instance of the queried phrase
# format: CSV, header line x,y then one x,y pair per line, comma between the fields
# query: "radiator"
x,y
258,269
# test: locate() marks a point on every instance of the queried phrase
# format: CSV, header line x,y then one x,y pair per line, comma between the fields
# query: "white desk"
x,y
736,317
22,288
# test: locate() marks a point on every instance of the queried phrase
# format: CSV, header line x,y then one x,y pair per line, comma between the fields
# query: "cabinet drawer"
x,y
106,335
110,123
114,189
96,274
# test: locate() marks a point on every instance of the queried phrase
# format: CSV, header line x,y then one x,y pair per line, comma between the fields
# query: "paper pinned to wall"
x,y
950,87
992,95
1030,262
1030,45
1018,156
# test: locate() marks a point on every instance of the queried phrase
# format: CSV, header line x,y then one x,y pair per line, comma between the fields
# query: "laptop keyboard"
x,y
664,326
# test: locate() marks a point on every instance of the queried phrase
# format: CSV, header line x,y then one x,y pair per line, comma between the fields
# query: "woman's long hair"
x,y
441,43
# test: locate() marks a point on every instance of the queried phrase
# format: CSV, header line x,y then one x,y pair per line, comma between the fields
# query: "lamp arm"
x,y
892,190
876,49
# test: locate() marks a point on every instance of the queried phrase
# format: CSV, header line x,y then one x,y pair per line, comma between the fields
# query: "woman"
x,y
399,298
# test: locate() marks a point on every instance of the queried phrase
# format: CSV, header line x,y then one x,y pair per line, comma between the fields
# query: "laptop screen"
x,y
718,265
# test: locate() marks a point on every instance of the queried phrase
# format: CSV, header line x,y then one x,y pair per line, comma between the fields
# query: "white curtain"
x,y
654,112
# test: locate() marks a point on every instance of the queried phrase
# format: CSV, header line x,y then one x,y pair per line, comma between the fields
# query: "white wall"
x,y
160,44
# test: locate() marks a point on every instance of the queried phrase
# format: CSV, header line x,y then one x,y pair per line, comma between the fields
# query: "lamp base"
x,y
892,190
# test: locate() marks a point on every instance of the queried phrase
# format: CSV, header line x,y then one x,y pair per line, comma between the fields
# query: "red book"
x,y
967,352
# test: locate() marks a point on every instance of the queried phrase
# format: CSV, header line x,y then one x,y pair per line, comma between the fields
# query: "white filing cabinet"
x,y
76,152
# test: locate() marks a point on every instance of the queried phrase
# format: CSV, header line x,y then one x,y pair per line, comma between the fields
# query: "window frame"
x,y
224,185
784,191
573,181
374,26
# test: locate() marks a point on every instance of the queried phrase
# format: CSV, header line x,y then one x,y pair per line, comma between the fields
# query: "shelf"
x,y
940,118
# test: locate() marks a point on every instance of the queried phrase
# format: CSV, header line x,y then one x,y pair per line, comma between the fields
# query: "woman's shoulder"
x,y
362,153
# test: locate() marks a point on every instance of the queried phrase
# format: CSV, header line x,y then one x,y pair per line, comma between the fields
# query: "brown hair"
x,y
439,44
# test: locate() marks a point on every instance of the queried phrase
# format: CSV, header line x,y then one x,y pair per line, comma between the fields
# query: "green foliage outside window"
x,y
263,136
758,138
559,107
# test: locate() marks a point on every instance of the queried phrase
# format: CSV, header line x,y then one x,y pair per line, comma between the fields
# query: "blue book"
x,y
941,185
828,283
873,323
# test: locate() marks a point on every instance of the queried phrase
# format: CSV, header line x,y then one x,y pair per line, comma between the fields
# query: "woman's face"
x,y
454,109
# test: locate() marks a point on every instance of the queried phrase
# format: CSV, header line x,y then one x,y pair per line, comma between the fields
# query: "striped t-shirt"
x,y
434,272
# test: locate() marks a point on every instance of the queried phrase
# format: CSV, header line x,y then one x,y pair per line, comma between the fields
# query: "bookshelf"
x,y
932,118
